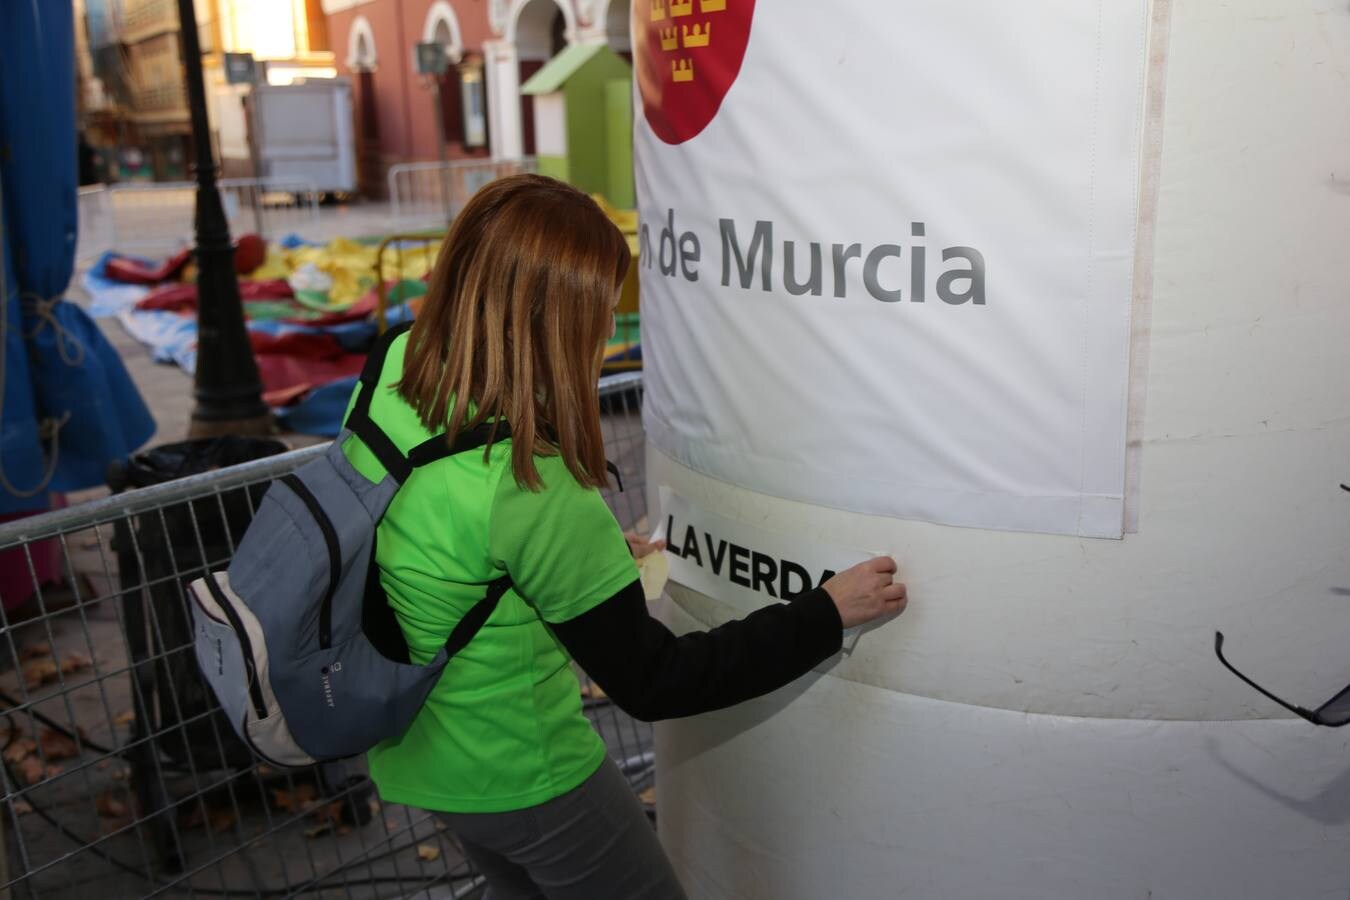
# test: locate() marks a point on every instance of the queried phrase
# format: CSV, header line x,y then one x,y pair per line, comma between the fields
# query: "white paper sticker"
x,y
745,566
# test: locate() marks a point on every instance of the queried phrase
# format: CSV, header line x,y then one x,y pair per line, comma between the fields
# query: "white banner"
x,y
887,251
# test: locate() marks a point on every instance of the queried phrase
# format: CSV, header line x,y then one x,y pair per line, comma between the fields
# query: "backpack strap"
x,y
432,449
436,448
362,425
473,621
400,467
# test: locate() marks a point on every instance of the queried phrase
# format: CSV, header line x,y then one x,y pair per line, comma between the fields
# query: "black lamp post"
x,y
228,391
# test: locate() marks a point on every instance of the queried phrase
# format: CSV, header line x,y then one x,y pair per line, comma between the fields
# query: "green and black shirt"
x,y
503,729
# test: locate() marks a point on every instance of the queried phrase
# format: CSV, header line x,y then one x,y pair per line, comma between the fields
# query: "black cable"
x,y
120,752
53,724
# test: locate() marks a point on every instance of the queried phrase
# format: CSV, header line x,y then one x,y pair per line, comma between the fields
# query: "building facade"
x,y
493,46
133,98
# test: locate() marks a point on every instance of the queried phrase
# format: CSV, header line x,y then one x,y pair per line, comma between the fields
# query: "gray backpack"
x,y
297,637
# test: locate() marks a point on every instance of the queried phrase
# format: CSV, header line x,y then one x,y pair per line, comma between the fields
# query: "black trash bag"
x,y
158,554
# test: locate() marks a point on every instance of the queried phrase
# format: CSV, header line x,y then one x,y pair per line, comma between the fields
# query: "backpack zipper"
x,y
250,668
330,538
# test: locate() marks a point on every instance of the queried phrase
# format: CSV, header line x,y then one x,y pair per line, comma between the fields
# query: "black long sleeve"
x,y
652,674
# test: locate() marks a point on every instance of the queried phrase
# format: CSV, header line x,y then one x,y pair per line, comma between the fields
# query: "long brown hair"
x,y
514,324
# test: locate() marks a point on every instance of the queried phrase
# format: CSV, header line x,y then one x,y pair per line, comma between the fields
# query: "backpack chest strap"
x,y
394,461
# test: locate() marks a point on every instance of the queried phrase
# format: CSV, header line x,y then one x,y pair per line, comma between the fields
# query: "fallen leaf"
x,y
110,826
344,830
125,718
222,819
191,817
428,853
264,770
74,662
109,806
56,745
391,824
40,672
592,691
374,806
31,770
319,829
328,812
297,800
22,807
34,651
648,797
19,749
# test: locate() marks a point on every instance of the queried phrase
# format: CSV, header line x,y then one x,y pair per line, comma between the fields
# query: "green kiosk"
x,y
583,121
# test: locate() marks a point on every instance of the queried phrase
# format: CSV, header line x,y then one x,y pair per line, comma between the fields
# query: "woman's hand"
x,y
867,591
640,546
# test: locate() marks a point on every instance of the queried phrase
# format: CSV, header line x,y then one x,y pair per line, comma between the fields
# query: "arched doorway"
x,y
361,60
541,29
463,120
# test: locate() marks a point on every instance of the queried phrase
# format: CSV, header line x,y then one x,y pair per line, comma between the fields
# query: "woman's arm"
x,y
652,674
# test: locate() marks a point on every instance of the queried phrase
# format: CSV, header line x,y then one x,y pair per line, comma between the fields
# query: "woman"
x,y
512,332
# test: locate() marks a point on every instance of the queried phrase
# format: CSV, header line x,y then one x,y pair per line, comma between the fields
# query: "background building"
x,y
133,107
494,46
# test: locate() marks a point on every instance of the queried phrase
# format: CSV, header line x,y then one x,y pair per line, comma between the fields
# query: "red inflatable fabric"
x,y
183,297
359,310
250,251
292,364
131,271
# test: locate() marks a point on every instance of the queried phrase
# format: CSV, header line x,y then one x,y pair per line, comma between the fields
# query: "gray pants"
x,y
592,843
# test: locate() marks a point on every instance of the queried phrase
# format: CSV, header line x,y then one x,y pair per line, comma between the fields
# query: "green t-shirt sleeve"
x,y
561,545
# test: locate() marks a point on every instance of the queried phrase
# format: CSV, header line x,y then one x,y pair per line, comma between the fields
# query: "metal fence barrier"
x,y
428,194
121,778
95,222
157,218
392,259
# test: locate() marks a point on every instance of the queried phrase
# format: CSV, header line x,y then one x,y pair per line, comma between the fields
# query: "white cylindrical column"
x,y
1048,719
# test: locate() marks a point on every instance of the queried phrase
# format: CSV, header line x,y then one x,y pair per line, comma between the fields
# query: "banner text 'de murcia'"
x,y
754,257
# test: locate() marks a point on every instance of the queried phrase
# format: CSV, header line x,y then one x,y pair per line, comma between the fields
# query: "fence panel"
x,y
158,218
121,777
95,222
428,194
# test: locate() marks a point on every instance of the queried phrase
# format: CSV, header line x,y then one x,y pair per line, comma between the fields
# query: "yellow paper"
x,y
653,570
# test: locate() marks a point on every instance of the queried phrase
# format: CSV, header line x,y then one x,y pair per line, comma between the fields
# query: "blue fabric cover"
x,y
79,383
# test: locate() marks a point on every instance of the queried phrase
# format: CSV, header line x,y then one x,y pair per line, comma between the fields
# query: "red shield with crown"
x,y
689,52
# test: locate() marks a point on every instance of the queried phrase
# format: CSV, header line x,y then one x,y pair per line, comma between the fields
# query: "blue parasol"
x,y
84,406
